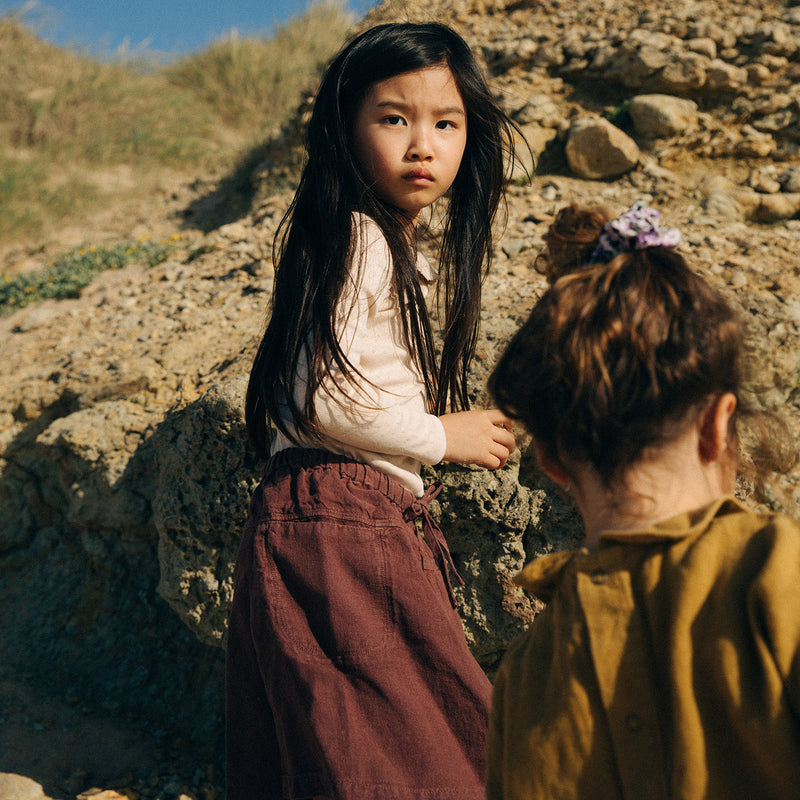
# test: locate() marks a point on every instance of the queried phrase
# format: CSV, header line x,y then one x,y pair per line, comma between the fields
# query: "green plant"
x,y
620,116
74,270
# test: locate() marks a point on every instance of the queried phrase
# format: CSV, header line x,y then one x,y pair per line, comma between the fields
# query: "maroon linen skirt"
x,y
348,675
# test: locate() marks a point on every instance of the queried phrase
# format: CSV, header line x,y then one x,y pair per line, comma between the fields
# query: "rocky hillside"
x,y
124,468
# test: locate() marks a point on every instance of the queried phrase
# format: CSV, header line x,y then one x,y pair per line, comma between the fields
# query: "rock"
x,y
486,517
35,317
749,201
779,121
758,74
658,115
541,109
536,140
721,76
206,474
704,46
790,180
724,205
89,453
776,207
596,149
754,144
683,73
18,787
765,180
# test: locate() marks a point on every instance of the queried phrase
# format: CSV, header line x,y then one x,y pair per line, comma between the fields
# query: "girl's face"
x,y
410,133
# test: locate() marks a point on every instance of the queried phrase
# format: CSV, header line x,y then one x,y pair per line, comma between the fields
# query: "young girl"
x,y
667,662
348,675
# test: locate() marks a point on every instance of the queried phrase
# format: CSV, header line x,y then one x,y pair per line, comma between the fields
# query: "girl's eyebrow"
x,y
438,112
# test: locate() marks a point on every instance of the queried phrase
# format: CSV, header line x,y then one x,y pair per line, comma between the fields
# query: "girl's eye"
x,y
445,125
394,120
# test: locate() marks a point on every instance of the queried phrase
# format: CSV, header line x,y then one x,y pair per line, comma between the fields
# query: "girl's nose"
x,y
419,148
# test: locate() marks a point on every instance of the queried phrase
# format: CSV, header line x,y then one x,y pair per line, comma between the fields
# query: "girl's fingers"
x,y
497,417
480,436
505,438
501,452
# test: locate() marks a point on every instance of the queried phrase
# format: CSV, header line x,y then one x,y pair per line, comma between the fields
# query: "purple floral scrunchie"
x,y
636,229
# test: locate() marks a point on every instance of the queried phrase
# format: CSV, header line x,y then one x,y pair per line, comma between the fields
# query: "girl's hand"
x,y
480,436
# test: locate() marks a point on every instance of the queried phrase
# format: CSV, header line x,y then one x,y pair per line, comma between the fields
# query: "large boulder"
x,y
656,116
598,150
203,481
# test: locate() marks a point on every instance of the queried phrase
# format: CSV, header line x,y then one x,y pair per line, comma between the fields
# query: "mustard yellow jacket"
x,y
666,665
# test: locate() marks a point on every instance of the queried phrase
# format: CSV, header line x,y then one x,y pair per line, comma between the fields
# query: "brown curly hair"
x,y
614,356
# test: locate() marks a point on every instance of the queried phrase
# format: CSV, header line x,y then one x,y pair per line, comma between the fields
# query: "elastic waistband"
x,y
293,459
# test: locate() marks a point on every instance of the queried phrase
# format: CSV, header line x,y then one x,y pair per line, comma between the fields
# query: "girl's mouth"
x,y
418,176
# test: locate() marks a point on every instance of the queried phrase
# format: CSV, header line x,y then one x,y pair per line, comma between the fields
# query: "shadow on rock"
x,y
82,623
230,199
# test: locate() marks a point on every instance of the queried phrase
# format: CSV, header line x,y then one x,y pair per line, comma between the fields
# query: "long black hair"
x,y
315,241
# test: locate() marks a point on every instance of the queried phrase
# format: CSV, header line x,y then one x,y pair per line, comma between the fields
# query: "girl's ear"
x,y
551,467
715,428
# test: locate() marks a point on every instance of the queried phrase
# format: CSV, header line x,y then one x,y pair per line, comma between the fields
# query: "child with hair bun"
x,y
667,662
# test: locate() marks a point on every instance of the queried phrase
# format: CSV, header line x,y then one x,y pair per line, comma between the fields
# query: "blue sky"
x,y
165,26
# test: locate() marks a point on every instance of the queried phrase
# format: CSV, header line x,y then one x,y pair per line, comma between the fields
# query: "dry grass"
x,y
250,81
66,116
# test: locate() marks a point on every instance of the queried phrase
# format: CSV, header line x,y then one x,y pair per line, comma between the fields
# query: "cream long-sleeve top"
x,y
384,420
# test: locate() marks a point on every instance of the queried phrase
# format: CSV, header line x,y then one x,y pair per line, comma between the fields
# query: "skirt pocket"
x,y
330,588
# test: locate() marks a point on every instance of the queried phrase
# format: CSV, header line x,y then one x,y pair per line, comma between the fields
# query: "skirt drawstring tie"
x,y
434,538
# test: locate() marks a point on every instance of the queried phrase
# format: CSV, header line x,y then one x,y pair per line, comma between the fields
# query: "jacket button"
x,y
599,576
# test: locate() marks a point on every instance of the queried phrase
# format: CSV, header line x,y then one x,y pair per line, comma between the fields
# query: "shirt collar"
x,y
543,575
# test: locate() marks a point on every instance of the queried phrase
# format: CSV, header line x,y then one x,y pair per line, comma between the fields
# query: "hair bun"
x,y
571,239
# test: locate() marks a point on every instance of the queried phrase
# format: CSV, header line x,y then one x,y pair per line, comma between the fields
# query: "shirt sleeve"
x,y
384,410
